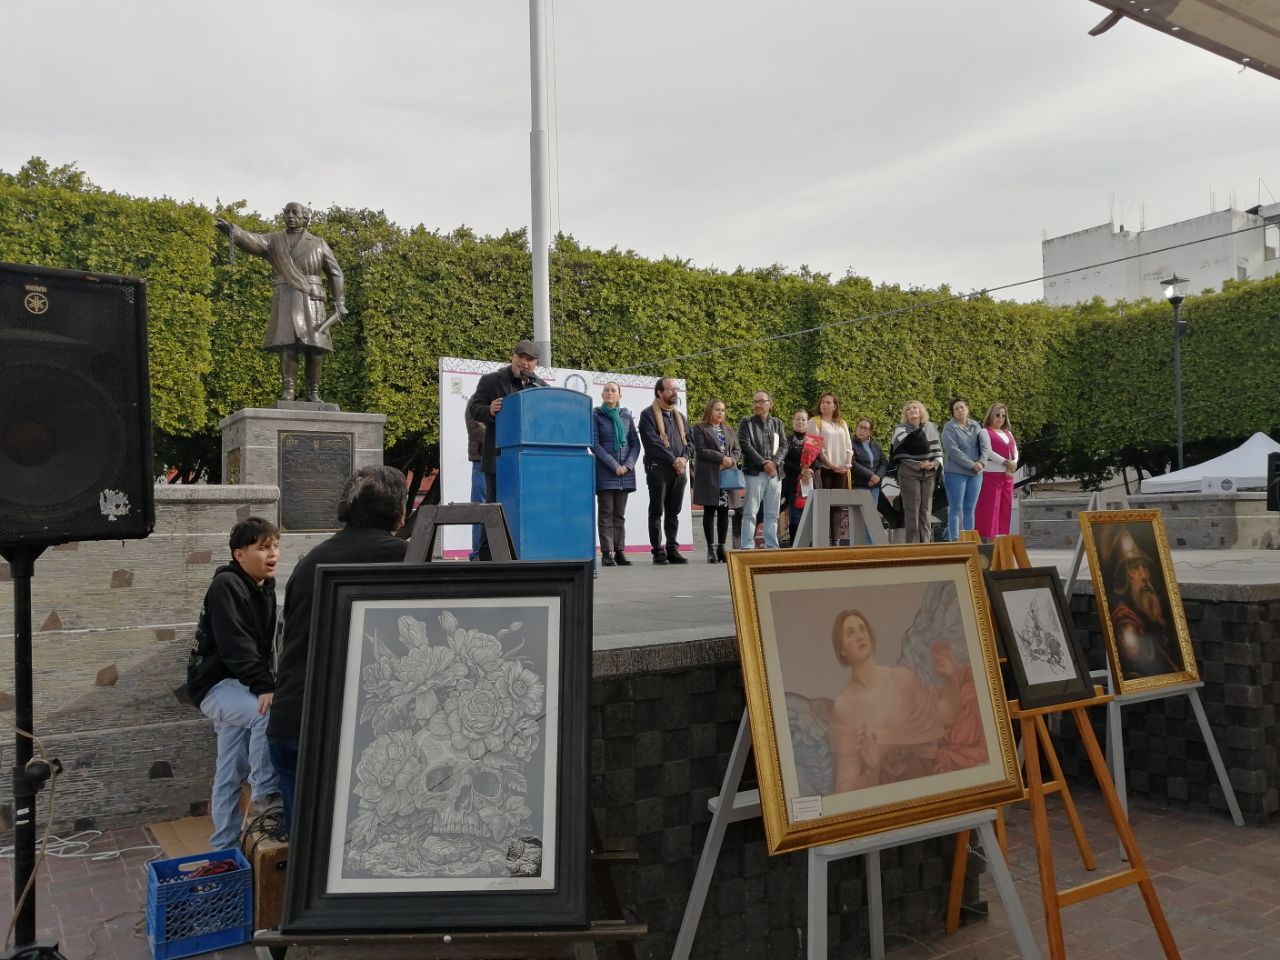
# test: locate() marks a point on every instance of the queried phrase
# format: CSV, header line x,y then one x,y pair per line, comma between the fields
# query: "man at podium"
x,y
484,405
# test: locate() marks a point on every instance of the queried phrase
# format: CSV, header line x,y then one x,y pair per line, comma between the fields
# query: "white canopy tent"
x,y
1245,467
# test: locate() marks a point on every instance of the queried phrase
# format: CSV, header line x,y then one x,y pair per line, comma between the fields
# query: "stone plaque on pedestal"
x,y
313,468
307,453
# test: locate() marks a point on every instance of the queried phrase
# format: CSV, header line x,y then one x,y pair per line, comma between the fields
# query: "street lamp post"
x,y
1175,292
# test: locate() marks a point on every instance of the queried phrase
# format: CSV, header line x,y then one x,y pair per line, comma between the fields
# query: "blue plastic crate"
x,y
187,915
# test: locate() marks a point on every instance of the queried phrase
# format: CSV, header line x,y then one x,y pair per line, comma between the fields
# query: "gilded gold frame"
x,y
1089,520
996,781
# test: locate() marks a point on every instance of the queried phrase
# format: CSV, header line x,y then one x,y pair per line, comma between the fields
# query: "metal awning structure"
x,y
1244,31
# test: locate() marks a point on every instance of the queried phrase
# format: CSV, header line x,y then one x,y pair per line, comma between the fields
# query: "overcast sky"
x,y
915,143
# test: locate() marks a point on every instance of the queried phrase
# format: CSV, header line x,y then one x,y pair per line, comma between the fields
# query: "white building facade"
x,y
1118,264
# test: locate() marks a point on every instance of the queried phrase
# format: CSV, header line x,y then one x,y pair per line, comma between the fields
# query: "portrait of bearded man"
x,y
1145,635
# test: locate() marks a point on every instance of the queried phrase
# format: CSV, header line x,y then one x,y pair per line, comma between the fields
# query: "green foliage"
x,y
84,228
1089,388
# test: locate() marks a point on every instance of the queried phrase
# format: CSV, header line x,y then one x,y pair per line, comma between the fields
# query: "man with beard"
x,y
1146,643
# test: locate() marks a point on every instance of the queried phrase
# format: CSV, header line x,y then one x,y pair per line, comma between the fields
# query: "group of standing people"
x,y
740,468
759,469
979,464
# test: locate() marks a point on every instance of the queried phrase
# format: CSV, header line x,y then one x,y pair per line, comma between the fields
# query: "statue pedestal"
x,y
306,451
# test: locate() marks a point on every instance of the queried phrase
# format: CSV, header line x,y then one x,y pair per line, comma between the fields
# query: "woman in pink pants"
x,y
1000,463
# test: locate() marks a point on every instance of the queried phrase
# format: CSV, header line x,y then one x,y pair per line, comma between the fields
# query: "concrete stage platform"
x,y
646,604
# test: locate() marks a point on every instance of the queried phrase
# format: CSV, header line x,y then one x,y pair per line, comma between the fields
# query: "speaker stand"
x,y
28,775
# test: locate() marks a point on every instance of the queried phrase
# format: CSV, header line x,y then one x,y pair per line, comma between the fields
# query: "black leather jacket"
x,y
762,440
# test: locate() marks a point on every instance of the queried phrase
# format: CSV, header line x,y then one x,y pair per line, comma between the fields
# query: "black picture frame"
x,y
1046,661
418,781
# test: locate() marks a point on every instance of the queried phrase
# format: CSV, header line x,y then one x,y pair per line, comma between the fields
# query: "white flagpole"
x,y
540,186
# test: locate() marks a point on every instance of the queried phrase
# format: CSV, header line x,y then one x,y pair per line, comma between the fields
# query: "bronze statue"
x,y
298,323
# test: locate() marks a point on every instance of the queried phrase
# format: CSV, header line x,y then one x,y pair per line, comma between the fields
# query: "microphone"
x,y
529,378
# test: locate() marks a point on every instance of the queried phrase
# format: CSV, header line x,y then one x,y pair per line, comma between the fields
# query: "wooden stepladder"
x,y
1011,553
1136,874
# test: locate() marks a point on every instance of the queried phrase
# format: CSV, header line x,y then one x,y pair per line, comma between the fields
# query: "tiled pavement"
x,y
1219,886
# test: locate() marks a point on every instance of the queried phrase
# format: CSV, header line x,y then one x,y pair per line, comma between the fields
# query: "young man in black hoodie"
x,y
229,673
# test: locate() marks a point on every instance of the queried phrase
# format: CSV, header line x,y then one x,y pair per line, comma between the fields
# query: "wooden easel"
x,y
1137,873
1011,554
430,517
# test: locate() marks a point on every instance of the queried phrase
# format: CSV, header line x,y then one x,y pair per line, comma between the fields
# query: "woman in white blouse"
x,y
836,458
999,463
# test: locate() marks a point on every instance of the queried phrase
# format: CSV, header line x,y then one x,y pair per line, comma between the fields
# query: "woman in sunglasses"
x,y
1000,463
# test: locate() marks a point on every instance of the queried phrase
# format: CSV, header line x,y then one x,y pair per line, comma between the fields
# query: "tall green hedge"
x,y
1089,387
165,241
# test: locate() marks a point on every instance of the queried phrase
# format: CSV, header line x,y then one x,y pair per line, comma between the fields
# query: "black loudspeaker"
x,y
75,408
1273,481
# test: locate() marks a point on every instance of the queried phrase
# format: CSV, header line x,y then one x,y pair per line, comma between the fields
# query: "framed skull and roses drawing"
x,y
443,760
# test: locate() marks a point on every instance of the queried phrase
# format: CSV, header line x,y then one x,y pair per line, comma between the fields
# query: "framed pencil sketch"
x,y
442,769
1045,658
873,690
1139,606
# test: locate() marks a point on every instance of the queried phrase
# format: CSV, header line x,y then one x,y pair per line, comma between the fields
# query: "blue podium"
x,y
546,473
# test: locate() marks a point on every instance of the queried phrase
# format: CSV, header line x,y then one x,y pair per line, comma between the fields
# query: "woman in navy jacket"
x,y
616,445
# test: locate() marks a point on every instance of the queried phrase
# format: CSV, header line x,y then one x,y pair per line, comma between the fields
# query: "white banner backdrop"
x,y
458,379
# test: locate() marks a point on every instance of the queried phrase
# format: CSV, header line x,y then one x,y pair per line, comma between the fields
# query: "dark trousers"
x,y
611,519
490,496
666,497
284,757
715,524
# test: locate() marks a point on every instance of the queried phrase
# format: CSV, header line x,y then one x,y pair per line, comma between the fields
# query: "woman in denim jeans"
x,y
962,470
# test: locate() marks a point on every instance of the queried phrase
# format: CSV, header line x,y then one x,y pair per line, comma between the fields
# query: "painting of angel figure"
x,y
449,747
443,757
891,722
878,688
1045,657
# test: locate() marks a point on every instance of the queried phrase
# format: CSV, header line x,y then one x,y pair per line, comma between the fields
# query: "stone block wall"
x,y
1202,521
112,623
1236,636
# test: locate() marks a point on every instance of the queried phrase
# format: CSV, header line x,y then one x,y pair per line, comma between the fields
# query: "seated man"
x,y
372,505
229,673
